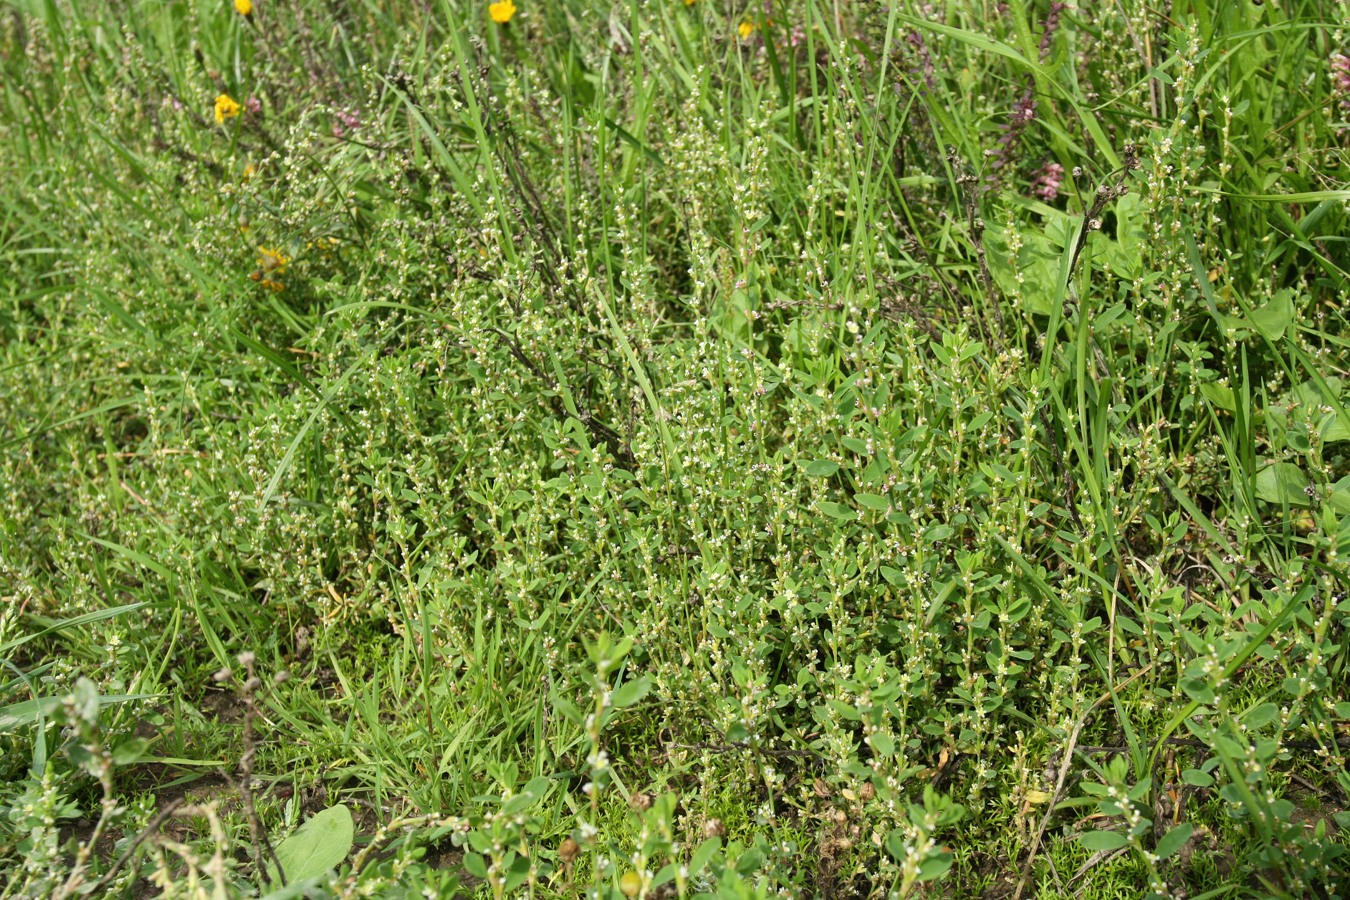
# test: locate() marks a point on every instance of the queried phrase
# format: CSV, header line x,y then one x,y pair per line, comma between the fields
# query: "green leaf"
x,y
1220,396
475,865
568,710
873,502
895,843
631,692
1282,483
1333,428
1104,840
516,873
935,866
845,710
76,622
321,844
1198,690
129,751
938,533
704,854
883,743
537,787
1171,842
855,445
1273,318
821,468
1034,272
1260,716
31,712
1196,778
1339,497
836,510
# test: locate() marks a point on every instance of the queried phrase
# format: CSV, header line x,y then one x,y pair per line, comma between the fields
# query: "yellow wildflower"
x,y
244,7
746,29
226,108
502,11
271,265
690,2
273,261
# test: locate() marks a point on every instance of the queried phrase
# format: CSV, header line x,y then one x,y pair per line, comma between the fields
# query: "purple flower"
x,y
920,48
1024,109
1047,181
253,105
1339,67
345,120
1051,26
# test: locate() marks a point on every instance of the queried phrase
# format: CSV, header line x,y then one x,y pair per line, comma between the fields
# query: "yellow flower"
x,y
502,11
244,7
746,29
226,108
690,2
271,265
272,261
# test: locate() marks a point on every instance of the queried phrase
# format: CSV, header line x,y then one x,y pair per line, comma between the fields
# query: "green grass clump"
x,y
674,449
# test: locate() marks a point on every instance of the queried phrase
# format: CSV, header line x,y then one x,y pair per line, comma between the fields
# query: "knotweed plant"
x,y
674,448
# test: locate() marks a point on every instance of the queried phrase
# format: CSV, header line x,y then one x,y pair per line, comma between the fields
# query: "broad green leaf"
x,y
321,844
1282,483
1334,428
1219,395
821,468
1037,263
1273,318
516,872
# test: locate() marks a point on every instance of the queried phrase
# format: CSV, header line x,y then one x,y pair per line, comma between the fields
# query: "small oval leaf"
x,y
631,692
836,510
1104,840
1172,841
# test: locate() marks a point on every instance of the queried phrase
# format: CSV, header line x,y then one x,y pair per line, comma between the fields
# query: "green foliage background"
x,y
694,432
